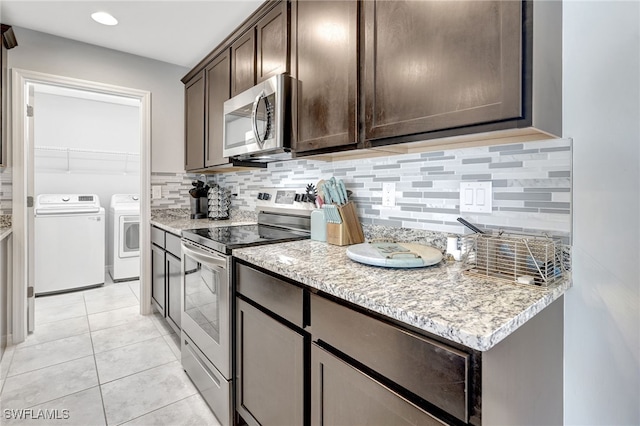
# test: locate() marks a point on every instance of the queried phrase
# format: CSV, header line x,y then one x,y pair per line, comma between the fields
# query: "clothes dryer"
x,y
124,234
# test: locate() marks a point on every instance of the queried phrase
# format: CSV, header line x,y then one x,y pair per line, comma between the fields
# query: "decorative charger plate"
x,y
394,255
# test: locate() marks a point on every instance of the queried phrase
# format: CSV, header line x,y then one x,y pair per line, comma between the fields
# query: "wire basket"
x,y
518,258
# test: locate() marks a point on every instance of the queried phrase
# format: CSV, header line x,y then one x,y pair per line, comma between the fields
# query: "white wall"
x,y
59,56
602,113
72,122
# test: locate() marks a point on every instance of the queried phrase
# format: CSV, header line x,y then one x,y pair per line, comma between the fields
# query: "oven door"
x,y
206,302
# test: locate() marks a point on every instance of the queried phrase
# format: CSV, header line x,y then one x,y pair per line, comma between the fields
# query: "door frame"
x,y
19,80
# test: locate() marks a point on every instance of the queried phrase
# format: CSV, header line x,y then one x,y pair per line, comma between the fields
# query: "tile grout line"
x,y
157,409
63,396
52,365
95,364
60,338
138,372
128,344
13,351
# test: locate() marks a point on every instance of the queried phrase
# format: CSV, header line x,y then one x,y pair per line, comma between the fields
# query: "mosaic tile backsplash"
x,y
531,186
175,190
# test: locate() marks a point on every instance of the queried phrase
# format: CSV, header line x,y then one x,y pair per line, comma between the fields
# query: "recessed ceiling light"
x,y
104,18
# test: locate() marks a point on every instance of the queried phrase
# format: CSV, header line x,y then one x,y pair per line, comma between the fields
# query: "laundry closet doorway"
x,y
78,137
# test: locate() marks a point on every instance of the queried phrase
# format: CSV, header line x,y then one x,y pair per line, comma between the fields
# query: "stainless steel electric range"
x,y
207,297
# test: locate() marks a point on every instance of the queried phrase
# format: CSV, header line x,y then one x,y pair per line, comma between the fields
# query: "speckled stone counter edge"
x,y
480,328
176,220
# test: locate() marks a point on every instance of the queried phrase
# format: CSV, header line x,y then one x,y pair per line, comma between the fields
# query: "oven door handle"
x,y
204,257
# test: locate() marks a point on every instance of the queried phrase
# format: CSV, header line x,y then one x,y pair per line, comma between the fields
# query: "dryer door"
x,y
129,244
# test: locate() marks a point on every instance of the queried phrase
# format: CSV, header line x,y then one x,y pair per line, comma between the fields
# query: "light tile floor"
x,y
94,360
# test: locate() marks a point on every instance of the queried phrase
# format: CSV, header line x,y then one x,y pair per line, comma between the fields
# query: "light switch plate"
x,y
156,192
476,197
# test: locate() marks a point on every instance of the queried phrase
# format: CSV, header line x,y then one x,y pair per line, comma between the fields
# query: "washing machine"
x,y
124,237
69,237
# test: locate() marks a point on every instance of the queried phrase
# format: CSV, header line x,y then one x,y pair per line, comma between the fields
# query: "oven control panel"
x,y
283,200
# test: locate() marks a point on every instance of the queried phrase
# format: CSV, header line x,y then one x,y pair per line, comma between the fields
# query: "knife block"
x,y
349,231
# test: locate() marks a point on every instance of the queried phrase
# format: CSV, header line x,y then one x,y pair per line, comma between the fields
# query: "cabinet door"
x,y
325,51
270,369
218,82
272,47
194,123
158,280
343,395
174,301
243,63
435,65
3,72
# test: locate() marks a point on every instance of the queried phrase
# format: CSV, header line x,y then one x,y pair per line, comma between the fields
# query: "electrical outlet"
x,y
156,192
388,194
476,197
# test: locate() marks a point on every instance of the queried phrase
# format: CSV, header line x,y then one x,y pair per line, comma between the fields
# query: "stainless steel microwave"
x,y
257,122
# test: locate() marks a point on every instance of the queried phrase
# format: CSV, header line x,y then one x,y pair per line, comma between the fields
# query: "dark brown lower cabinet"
x,y
173,272
270,369
158,289
348,368
343,395
166,274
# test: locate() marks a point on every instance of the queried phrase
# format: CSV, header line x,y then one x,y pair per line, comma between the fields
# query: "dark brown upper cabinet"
x,y
194,102
261,51
436,65
7,41
324,61
272,47
243,62
218,79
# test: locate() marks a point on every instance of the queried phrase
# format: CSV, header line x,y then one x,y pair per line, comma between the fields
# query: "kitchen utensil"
x,y
343,191
395,255
331,213
318,225
320,190
311,193
351,222
333,192
470,226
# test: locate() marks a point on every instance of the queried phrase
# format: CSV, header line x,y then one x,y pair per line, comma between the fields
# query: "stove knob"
x,y
299,197
260,196
266,196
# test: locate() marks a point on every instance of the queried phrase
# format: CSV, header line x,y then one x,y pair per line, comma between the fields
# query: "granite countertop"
x,y
474,311
175,221
5,231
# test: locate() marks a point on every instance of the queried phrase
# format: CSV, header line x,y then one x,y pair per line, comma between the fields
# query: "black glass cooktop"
x,y
226,238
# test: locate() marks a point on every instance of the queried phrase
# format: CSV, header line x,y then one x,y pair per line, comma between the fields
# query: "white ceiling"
x,y
178,32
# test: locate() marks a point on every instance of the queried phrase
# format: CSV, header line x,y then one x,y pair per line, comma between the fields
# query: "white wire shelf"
x,y
77,160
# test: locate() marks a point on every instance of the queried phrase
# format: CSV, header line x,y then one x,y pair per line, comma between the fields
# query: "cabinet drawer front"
x,y
157,236
172,245
282,298
429,369
270,369
343,395
213,387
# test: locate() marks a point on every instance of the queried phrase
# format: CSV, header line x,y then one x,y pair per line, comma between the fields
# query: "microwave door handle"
x,y
254,118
